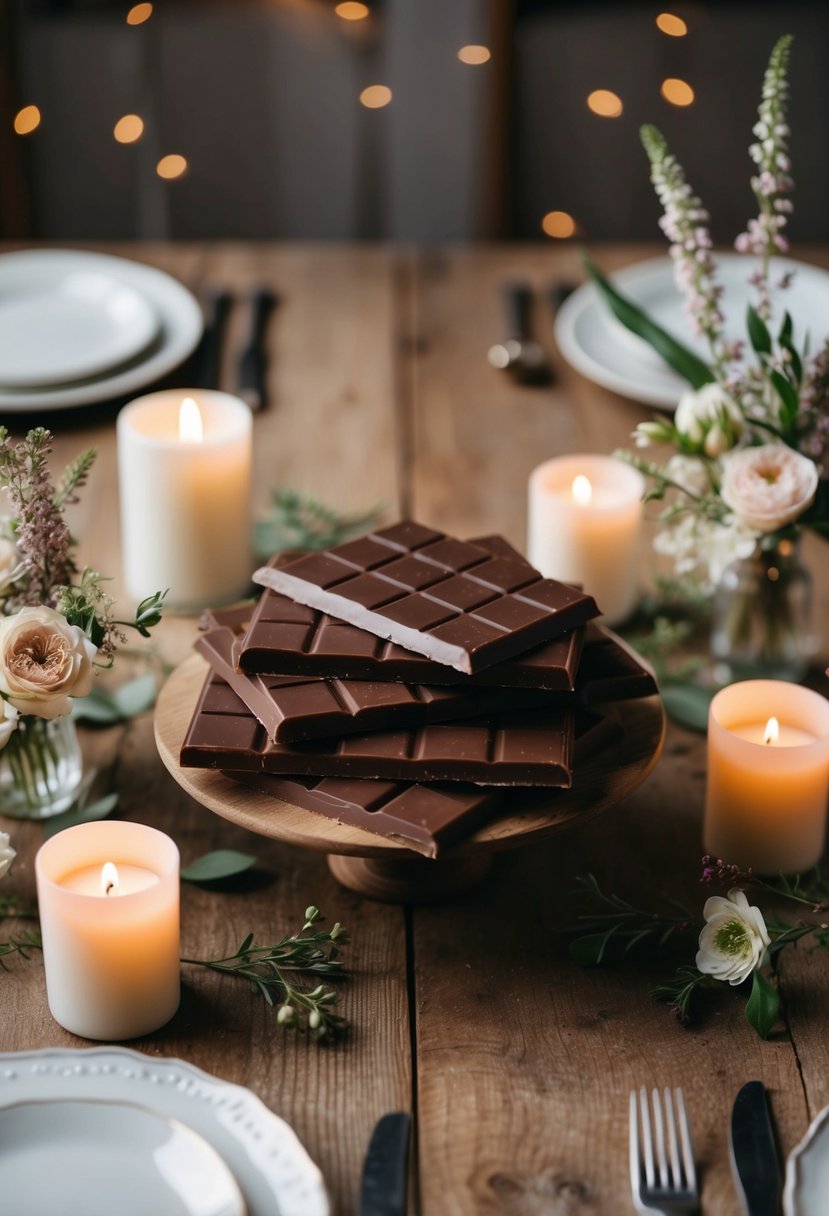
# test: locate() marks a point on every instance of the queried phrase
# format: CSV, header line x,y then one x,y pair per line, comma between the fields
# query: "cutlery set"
x,y
520,353
251,366
663,1176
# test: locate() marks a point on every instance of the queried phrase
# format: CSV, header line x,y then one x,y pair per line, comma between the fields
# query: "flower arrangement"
x,y
57,624
749,440
737,944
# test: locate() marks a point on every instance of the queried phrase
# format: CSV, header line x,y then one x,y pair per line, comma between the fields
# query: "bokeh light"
x,y
604,103
128,129
474,54
27,120
671,25
139,13
351,10
559,224
171,166
375,96
677,92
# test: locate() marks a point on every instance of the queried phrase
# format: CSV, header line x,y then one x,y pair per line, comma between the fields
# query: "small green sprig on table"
x,y
298,521
734,941
269,969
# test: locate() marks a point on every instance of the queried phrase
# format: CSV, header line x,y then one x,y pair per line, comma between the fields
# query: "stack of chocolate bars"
x,y
408,683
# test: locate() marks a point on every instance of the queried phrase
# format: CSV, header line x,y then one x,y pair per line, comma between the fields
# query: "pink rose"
x,y
768,487
43,662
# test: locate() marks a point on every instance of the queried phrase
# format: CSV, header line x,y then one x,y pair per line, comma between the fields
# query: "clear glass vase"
x,y
761,622
41,768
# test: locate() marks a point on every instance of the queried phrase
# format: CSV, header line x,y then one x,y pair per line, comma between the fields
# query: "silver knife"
x,y
754,1158
384,1187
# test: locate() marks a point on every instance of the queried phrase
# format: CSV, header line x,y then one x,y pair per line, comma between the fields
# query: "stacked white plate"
x,y
602,349
78,328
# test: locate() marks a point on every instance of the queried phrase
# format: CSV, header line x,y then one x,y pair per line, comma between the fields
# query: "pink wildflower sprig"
x,y
773,184
685,224
814,407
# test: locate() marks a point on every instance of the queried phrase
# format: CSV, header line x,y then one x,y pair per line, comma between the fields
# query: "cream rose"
x,y
43,662
768,487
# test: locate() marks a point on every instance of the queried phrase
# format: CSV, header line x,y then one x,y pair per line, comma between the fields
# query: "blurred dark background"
x,y
423,120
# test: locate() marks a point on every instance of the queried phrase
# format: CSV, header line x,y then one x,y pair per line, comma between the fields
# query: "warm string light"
x,y
559,224
474,54
27,120
128,129
351,10
139,13
677,92
605,103
671,25
375,96
171,166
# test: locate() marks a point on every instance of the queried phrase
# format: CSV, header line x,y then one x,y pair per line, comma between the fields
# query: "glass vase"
x,y
761,623
41,768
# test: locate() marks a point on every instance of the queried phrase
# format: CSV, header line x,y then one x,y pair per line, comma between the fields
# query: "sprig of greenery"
x,y
75,477
14,907
298,521
20,946
268,970
617,927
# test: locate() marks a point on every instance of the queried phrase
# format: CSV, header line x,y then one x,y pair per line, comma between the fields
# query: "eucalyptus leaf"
x,y
222,863
81,814
687,704
135,697
758,332
107,709
679,357
763,1006
98,707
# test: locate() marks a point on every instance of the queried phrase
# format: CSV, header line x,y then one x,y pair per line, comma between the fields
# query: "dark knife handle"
x,y
208,355
252,361
384,1186
518,300
559,292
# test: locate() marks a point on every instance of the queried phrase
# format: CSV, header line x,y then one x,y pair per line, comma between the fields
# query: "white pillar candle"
x,y
585,521
108,895
184,461
768,776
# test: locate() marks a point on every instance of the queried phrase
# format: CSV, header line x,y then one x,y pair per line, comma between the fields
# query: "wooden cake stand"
x,y
383,868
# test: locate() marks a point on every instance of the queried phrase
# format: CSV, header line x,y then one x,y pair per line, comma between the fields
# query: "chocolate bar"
x,y
523,747
301,707
447,599
425,817
610,670
286,638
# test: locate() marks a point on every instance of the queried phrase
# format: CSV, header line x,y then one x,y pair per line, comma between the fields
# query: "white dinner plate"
x,y
806,1192
58,324
79,1158
601,348
275,1174
177,313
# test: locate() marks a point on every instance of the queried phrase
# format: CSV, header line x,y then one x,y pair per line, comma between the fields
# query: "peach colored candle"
x,y
768,776
585,521
108,895
184,460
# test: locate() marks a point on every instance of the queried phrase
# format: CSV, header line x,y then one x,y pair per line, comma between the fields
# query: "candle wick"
x,y
110,887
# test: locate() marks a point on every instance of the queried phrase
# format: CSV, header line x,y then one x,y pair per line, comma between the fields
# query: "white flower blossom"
x,y
703,548
709,420
734,940
8,721
689,473
7,853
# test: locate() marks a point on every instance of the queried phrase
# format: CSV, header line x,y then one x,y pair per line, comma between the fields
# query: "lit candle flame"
x,y
772,734
109,879
190,428
582,491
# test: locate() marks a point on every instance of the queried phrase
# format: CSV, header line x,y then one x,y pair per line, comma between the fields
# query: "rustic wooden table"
x,y
515,1062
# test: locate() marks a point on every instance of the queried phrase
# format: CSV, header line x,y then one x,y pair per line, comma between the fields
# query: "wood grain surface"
x,y
515,1063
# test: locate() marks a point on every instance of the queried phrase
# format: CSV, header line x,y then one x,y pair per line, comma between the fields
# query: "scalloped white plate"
x,y
806,1192
275,1174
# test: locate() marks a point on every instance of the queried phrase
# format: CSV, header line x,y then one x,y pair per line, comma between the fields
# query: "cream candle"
x,y
768,776
108,895
184,462
585,519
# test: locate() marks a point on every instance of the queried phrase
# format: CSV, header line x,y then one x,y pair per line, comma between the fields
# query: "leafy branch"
x,y
616,927
20,946
269,970
298,521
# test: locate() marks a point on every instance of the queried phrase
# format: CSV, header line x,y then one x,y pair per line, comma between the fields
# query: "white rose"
x,y
768,487
43,662
7,853
8,721
734,939
709,412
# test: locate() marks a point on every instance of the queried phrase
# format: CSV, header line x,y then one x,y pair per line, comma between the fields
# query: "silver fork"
x,y
662,1173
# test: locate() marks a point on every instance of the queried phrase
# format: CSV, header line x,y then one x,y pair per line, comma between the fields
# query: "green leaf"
x,y
98,706
223,863
135,697
786,330
688,705
763,1006
80,814
758,332
589,950
679,357
787,395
